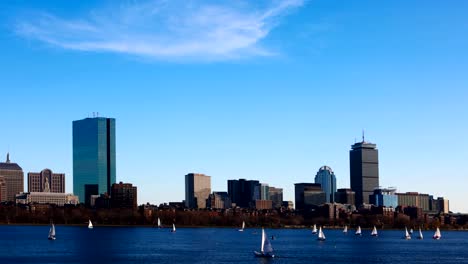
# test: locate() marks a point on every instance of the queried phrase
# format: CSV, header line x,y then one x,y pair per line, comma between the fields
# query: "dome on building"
x,y
326,168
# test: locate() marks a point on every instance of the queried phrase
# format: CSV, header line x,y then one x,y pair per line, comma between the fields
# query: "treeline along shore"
x,y
147,215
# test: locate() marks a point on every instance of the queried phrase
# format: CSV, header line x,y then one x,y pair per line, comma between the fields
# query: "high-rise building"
x,y
384,197
345,196
244,192
308,194
276,196
123,195
3,189
364,170
197,190
13,176
46,181
414,199
326,178
93,154
219,200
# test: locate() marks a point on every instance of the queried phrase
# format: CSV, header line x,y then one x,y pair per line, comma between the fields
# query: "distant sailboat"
x,y
358,231
90,224
437,234
321,235
407,234
374,232
243,226
173,228
159,223
314,230
420,234
345,230
411,231
266,250
52,232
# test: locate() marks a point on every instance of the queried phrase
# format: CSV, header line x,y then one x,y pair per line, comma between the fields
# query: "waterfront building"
x,y
59,199
364,170
345,196
414,199
276,196
242,192
13,177
93,155
308,194
3,189
289,205
46,181
197,190
326,178
123,195
263,204
384,197
219,200
264,191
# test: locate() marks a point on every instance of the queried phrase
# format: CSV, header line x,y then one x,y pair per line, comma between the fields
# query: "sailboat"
x,y
90,224
159,223
321,235
407,234
374,232
266,250
358,231
52,232
437,234
314,230
411,231
420,234
173,228
243,226
345,230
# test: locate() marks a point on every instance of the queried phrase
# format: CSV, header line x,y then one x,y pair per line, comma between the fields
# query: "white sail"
x,y
314,230
345,230
407,235
411,231
266,245
52,232
159,222
420,234
358,231
437,234
374,232
321,235
173,228
90,224
243,225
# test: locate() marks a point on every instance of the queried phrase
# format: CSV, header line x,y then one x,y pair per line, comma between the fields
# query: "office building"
x,y
345,196
46,181
308,194
264,192
219,200
123,195
276,196
13,176
326,178
3,189
385,197
93,155
414,199
263,204
364,170
59,199
243,192
197,190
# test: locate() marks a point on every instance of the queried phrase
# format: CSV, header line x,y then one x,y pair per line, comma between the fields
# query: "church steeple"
x,y
8,157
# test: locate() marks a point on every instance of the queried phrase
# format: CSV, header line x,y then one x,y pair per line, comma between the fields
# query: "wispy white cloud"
x,y
165,29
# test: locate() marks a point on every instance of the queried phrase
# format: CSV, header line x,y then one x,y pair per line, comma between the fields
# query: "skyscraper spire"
x,y
363,137
8,157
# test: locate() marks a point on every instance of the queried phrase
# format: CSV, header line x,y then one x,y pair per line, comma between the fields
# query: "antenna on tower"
x,y
363,137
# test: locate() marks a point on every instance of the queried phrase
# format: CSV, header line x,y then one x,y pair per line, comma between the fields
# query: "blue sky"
x,y
268,91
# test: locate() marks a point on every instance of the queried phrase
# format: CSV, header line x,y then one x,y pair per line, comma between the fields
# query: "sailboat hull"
x,y
51,238
263,255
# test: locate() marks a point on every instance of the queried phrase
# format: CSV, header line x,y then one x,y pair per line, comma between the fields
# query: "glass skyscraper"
x,y
327,180
93,155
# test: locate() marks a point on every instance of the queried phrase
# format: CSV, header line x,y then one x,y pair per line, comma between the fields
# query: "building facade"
x,y
3,190
384,197
46,181
13,177
242,192
326,178
59,199
263,204
308,194
414,199
123,195
364,170
219,200
93,154
197,190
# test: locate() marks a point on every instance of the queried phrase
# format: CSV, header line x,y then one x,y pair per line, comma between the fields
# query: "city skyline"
x,y
272,104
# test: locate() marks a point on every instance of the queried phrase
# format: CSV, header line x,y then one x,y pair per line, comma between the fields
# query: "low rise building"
x,y
59,199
